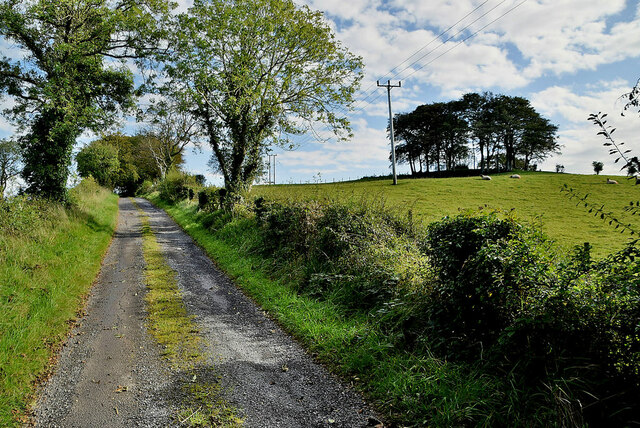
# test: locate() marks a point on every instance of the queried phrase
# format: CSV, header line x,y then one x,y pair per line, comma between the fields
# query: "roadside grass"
x,y
176,331
168,320
408,388
536,195
49,257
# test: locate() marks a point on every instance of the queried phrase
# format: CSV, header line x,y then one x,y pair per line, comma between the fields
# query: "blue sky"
x,y
569,57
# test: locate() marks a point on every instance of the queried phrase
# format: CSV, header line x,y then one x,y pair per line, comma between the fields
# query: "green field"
x,y
536,195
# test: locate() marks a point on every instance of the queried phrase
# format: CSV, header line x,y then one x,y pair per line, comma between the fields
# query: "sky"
x,y
570,58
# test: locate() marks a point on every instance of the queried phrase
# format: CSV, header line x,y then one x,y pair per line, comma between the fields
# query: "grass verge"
x,y
203,404
408,389
48,261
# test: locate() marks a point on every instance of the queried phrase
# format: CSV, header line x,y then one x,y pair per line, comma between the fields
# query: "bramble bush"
x,y
175,186
22,214
360,256
477,288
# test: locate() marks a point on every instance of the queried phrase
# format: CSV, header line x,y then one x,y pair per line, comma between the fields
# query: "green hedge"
x,y
557,334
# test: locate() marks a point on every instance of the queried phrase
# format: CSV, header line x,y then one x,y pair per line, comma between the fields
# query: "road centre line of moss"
x,y
174,329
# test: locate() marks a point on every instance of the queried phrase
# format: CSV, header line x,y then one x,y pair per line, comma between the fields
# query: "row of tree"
x,y
244,74
507,132
123,162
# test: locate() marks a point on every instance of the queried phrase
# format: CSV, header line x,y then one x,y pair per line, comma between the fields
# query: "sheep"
x,y
610,181
515,176
485,177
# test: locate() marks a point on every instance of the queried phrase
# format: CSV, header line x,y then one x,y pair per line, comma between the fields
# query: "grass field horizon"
x,y
536,197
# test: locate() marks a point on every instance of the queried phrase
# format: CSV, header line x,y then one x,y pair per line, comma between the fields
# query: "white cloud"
x,y
581,144
552,36
574,107
367,150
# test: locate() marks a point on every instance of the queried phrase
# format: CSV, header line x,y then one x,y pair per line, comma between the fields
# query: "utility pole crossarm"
x,y
393,143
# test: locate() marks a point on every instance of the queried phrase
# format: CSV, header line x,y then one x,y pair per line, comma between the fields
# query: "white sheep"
x,y
485,177
515,176
610,181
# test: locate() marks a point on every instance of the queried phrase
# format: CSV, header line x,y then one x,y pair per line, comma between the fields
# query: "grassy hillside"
x,y
535,196
49,257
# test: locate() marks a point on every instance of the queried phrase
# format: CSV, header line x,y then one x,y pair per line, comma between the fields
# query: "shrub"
x,y
20,214
145,188
358,256
486,268
481,289
503,296
175,186
208,199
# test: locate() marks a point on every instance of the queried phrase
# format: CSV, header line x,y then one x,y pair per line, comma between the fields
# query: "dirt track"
x,y
110,372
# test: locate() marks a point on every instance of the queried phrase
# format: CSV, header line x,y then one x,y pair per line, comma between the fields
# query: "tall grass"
x,y
49,257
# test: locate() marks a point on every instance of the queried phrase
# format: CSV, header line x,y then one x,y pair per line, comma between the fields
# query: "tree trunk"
x,y
47,155
412,165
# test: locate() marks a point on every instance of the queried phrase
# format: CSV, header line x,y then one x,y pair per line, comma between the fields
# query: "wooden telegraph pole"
x,y
274,168
393,143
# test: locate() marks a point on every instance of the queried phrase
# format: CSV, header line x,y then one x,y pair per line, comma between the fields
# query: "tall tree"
x,y
100,161
66,76
441,131
411,142
482,116
135,160
538,140
254,72
434,134
9,163
523,131
512,113
454,133
170,130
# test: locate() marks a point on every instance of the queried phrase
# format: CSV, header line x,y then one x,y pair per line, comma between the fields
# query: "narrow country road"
x,y
111,374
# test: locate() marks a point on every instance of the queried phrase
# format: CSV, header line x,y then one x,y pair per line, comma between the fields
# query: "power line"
x,y
450,38
466,38
377,95
366,100
430,42
398,74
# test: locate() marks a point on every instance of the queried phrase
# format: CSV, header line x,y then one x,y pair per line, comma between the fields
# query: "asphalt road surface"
x,y
110,372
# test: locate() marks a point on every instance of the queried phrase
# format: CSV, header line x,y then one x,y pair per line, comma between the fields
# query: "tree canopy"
x,y
100,161
69,74
597,167
507,132
134,161
255,72
171,129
